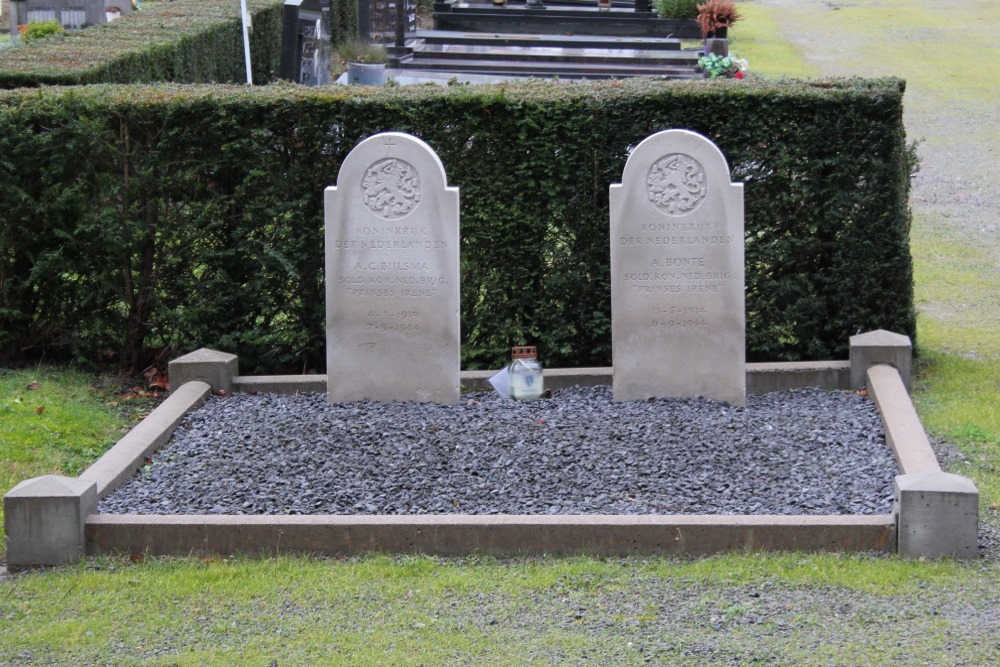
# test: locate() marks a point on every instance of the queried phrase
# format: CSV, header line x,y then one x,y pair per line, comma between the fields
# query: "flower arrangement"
x,y
714,15
729,67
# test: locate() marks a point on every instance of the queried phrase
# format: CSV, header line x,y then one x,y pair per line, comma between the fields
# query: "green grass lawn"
x,y
378,610
802,609
51,422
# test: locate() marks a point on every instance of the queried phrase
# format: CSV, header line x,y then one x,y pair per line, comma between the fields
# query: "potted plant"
x,y
365,62
715,17
111,13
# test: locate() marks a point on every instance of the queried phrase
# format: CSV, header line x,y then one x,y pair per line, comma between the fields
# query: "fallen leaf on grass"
x,y
136,392
34,385
40,409
157,380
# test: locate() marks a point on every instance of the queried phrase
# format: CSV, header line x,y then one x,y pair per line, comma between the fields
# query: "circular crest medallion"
x,y
676,184
391,188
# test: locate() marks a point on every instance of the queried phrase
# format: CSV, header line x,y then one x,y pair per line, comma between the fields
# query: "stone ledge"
x,y
903,431
495,534
761,378
121,461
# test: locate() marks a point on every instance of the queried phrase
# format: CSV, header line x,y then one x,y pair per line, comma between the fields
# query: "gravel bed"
x,y
579,452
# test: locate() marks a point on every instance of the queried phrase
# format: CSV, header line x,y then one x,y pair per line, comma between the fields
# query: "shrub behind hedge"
x,y
193,215
194,41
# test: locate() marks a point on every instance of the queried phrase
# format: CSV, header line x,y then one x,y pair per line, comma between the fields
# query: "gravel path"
x,y
801,452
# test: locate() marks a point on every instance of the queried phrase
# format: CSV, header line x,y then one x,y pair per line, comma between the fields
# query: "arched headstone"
x,y
677,276
392,292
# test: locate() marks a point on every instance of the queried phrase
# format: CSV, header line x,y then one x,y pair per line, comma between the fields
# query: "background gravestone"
x,y
677,300
377,19
71,14
305,42
392,290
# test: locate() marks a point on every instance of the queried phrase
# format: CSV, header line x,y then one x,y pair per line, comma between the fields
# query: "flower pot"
x,y
366,74
112,14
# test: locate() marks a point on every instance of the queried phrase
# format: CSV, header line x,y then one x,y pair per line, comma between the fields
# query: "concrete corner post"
x,y
45,518
880,347
938,515
216,368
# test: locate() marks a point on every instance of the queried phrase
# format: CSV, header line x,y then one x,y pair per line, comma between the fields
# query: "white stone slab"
x,y
392,287
677,276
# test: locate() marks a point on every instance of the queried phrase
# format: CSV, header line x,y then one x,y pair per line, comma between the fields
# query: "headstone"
x,y
677,301
71,14
305,42
392,291
377,19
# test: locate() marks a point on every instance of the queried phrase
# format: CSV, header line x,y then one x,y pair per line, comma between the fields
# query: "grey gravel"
x,y
579,452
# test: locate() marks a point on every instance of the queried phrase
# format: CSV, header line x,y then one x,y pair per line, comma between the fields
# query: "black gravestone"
x,y
377,19
305,42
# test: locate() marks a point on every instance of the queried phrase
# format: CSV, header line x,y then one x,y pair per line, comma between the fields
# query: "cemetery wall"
x,y
193,215
197,41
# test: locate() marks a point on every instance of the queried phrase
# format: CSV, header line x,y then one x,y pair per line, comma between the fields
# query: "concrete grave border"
x,y
51,520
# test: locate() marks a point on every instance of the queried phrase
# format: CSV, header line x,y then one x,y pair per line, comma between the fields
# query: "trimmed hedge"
x,y
677,9
343,21
193,215
194,41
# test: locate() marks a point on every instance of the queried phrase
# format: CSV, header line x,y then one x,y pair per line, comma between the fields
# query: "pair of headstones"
x,y
392,274
71,14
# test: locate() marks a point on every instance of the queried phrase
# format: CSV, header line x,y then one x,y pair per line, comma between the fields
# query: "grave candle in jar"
x,y
525,373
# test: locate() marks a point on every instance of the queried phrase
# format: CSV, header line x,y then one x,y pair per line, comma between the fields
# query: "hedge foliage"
x,y
193,215
195,41
343,21
677,9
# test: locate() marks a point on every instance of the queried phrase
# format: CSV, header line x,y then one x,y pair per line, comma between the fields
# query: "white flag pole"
x,y
246,39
